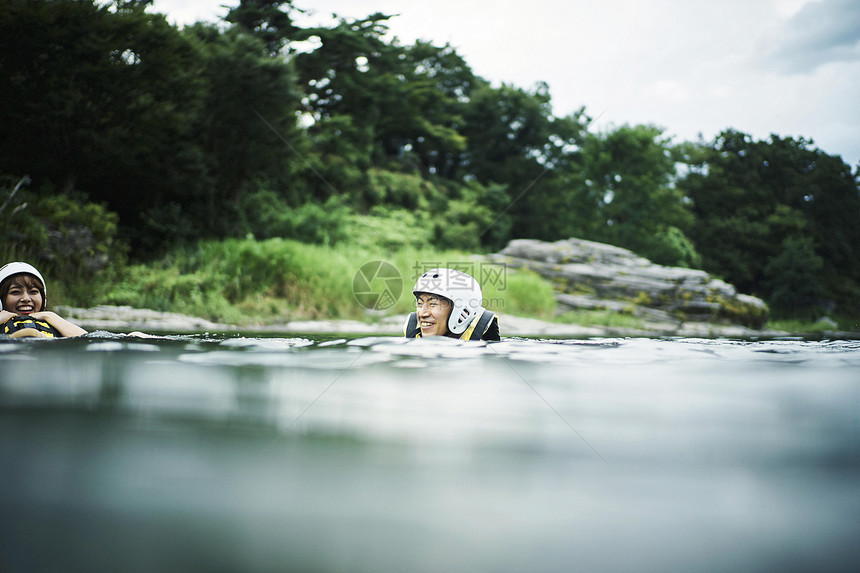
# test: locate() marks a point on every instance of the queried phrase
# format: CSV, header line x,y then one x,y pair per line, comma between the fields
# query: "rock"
x,y
596,276
127,318
511,325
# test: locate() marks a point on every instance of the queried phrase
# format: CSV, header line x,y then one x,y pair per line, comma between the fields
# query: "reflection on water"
x,y
382,454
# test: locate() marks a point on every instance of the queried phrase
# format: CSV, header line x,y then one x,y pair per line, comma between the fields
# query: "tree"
x,y
246,127
107,95
756,200
402,102
266,20
630,175
514,140
440,84
794,281
64,236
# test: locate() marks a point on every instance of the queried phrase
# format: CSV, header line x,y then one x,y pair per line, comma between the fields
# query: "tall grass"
x,y
275,280
808,327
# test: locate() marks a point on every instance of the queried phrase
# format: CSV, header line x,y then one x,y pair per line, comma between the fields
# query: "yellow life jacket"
x,y
485,325
21,323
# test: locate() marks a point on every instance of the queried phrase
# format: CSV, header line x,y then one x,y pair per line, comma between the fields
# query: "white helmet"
x,y
18,268
460,288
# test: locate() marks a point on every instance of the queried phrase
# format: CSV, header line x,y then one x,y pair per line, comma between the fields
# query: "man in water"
x,y
448,303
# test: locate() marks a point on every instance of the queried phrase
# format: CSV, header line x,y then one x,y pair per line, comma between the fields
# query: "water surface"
x,y
206,453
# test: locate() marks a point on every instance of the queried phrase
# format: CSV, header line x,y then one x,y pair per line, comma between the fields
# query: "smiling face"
x,y
432,312
23,295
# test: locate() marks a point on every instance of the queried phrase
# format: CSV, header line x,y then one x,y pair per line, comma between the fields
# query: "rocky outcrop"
x,y
597,276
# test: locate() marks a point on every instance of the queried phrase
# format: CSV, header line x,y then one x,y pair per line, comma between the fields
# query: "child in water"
x,y
24,298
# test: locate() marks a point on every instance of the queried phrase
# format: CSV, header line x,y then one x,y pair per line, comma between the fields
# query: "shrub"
x,y
72,242
267,215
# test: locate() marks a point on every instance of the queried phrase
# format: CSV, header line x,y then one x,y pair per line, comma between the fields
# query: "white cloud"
x,y
183,12
819,33
669,91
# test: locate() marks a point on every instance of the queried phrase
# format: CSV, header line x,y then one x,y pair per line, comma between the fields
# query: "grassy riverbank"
x,y
276,280
250,282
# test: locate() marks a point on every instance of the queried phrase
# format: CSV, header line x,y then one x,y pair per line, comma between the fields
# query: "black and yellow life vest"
x,y
485,327
21,323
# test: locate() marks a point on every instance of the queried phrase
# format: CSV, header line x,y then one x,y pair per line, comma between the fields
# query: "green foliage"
x,y
777,218
80,236
670,246
517,143
459,227
400,99
167,290
244,281
338,162
21,234
808,327
522,293
339,136
247,126
390,229
507,129
266,282
794,278
107,98
71,241
266,20
266,215
449,216
630,181
405,190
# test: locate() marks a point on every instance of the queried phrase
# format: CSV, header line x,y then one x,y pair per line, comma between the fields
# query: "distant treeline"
x,y
123,136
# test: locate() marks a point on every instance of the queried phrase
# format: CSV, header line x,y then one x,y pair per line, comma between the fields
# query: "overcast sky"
x,y
790,67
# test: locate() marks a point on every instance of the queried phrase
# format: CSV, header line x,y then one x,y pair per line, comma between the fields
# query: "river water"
x,y
214,453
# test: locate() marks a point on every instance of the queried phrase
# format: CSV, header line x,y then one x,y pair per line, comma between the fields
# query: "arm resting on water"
x,y
63,326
